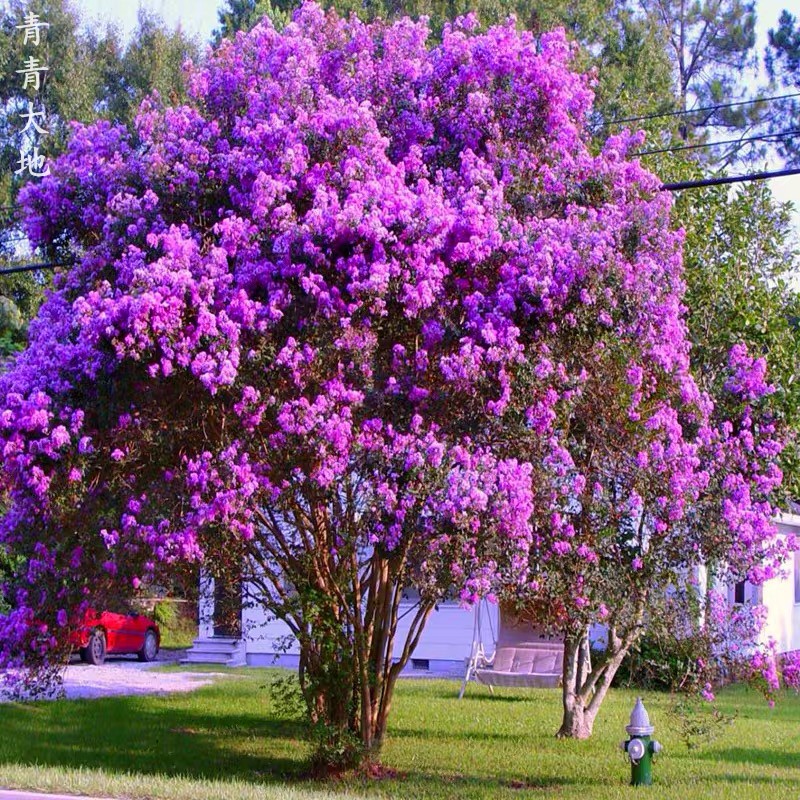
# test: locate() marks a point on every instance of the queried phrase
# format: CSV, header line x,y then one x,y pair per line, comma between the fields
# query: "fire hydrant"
x,y
640,747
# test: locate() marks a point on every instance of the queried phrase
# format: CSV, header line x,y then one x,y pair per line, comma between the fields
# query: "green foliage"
x,y
657,663
20,296
326,681
740,261
90,75
242,15
165,614
332,750
10,326
7,567
176,622
152,61
67,89
783,66
286,694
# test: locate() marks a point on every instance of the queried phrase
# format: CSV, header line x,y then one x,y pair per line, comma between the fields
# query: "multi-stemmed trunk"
x,y
344,612
349,669
578,714
584,684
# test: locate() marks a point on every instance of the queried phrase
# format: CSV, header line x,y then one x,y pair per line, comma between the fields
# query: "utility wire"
x,y
699,110
760,137
727,179
33,267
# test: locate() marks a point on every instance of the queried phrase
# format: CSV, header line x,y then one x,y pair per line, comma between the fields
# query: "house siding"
x,y
777,594
445,643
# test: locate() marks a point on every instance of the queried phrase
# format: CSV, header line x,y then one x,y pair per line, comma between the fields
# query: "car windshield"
x,y
119,606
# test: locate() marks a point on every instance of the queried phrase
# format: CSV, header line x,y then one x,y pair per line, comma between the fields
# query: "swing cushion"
x,y
535,665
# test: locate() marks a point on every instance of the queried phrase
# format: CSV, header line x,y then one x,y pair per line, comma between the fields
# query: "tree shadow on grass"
x,y
178,737
126,735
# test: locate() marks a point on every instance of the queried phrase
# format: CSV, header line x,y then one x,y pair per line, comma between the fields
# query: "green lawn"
x,y
226,741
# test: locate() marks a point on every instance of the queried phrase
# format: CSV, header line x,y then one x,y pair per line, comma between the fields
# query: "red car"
x,y
107,633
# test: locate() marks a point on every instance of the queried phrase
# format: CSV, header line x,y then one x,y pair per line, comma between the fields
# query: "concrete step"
x,y
225,651
216,646
206,658
218,639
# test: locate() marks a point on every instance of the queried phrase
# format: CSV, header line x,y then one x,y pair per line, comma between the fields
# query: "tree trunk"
x,y
578,719
348,667
577,722
584,685
344,610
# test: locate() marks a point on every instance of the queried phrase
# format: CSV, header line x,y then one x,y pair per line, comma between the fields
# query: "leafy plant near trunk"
x,y
367,315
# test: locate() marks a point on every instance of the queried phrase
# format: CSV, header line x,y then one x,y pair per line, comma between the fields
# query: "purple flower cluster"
x,y
385,293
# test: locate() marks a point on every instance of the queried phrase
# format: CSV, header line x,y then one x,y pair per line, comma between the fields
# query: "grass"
x,y
227,741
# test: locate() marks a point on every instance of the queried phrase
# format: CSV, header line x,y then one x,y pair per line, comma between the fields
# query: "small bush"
x,y
165,614
698,721
659,663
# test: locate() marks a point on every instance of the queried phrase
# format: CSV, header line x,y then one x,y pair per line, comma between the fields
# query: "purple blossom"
x,y
358,281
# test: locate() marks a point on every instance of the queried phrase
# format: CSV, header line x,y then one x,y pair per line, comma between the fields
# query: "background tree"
x,y
711,43
741,259
783,65
91,74
66,93
152,60
243,15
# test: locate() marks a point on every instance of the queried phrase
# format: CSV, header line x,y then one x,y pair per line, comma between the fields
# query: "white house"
x,y
446,642
443,647
781,595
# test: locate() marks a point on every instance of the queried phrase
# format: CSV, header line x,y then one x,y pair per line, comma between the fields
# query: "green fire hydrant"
x,y
640,747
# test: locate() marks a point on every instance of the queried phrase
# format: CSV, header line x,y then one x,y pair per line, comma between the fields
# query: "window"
x,y
738,592
797,576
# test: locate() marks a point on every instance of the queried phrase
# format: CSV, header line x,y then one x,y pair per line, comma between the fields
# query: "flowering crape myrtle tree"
x,y
336,326
652,482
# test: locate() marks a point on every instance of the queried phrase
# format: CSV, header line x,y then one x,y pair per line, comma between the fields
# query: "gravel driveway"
x,y
124,676
84,680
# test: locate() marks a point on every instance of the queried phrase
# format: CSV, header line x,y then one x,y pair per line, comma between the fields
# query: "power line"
x,y
763,136
700,110
727,179
34,267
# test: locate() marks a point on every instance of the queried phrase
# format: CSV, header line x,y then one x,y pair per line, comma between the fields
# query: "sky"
x,y
200,17
194,16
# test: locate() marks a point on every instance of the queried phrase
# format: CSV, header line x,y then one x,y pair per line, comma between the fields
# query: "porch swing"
x,y
523,654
